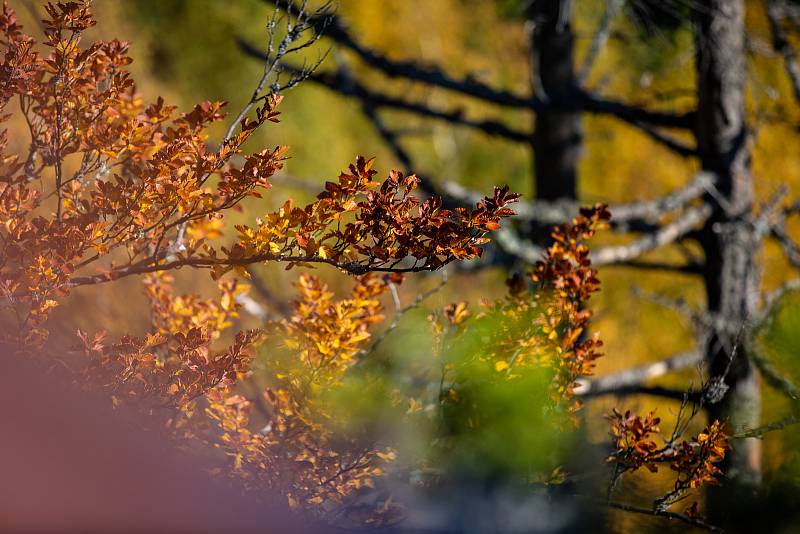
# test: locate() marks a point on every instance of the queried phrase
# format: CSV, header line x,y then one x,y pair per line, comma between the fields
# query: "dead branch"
x,y
665,235
559,212
771,427
636,376
790,248
780,43
472,87
277,304
511,242
340,83
599,39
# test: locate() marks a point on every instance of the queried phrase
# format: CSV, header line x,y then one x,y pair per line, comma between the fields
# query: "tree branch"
x,y
685,268
652,512
410,70
790,248
340,83
275,53
652,391
781,44
768,371
636,376
623,215
513,244
598,40
278,305
352,267
665,235
663,513
470,86
634,115
665,140
771,427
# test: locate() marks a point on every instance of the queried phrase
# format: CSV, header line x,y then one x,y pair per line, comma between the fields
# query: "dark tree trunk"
x,y
731,275
557,126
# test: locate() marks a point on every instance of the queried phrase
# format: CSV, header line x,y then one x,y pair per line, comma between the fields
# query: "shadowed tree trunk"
x,y
557,133
731,275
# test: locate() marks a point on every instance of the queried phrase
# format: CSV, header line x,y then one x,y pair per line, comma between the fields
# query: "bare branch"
x,y
781,44
340,83
700,321
664,513
410,70
388,135
636,376
768,371
666,140
634,115
470,86
598,40
771,427
623,215
684,268
513,244
401,311
665,235
292,42
790,248
277,304
651,391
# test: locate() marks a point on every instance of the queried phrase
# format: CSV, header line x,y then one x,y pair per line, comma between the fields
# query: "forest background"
x,y
189,50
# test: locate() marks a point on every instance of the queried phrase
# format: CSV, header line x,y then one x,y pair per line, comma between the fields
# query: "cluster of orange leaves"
x,y
378,226
111,187
541,322
108,187
693,460
145,192
299,453
140,182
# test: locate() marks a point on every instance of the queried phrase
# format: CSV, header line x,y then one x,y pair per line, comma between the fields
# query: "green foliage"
x,y
779,338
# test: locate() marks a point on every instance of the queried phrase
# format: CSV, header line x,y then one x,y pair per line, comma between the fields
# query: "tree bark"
x,y
731,274
557,134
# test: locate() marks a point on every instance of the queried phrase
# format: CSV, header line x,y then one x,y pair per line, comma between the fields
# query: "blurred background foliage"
x,y
188,51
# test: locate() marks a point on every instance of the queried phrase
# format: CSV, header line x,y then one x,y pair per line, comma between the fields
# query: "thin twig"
x,y
400,312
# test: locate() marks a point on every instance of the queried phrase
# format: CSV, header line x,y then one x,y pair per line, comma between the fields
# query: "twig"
x,y
400,312
790,248
669,233
598,40
277,304
296,27
657,513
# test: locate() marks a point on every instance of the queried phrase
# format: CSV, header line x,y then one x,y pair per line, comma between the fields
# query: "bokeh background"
x,y
188,51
